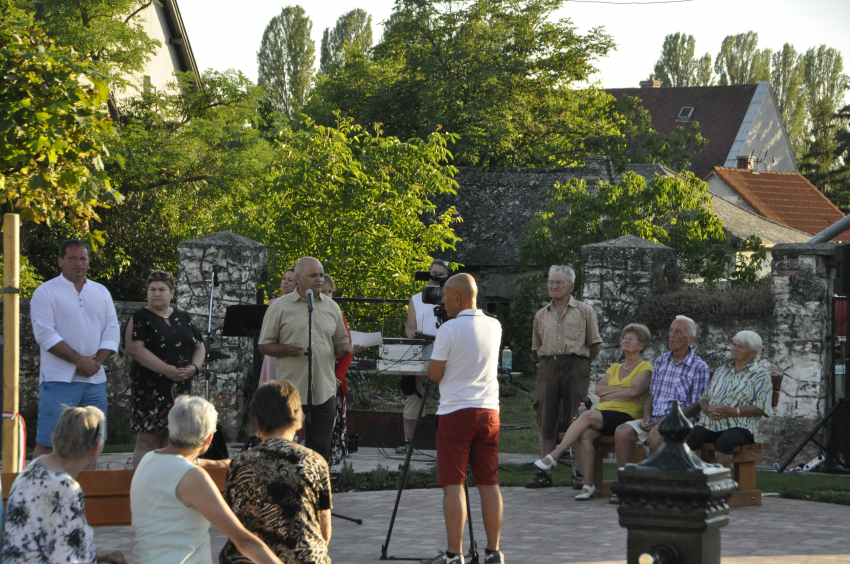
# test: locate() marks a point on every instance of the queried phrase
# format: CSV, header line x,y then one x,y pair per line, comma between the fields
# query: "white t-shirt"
x,y
426,321
470,346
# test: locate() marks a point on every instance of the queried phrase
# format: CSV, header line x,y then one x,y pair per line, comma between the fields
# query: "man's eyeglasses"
x,y
557,282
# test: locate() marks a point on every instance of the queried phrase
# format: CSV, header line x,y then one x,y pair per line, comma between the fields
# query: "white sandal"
x,y
587,492
543,465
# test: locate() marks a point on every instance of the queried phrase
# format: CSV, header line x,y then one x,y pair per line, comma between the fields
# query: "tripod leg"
x,y
809,438
473,548
404,470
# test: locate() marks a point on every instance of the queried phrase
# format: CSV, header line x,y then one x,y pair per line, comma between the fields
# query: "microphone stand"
x,y
207,373
309,353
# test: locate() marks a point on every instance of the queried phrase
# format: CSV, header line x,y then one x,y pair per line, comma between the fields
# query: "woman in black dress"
x,y
167,351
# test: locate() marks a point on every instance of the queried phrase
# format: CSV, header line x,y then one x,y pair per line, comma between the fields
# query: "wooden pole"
x,y
11,340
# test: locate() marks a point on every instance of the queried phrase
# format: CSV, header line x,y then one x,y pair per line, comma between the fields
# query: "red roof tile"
x,y
720,111
785,197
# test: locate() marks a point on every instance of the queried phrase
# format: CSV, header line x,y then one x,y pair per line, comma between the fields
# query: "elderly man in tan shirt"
x,y
285,336
566,338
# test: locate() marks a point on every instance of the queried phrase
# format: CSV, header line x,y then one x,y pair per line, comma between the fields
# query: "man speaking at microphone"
x,y
465,363
285,336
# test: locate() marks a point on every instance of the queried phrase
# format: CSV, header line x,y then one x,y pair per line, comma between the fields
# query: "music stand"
x,y
246,321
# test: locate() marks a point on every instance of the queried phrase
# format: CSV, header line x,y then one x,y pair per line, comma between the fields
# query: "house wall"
x,y
164,62
768,133
719,188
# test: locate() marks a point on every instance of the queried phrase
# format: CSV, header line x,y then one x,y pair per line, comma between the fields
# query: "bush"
x,y
709,306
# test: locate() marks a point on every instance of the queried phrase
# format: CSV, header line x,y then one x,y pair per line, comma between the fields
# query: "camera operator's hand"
x,y
294,349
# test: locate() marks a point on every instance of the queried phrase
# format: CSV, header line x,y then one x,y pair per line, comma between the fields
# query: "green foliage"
x,y
352,30
356,201
677,65
285,59
52,123
740,61
30,278
788,79
109,33
182,158
676,212
495,72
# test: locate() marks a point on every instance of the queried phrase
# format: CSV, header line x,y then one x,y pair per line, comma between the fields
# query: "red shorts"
x,y
468,437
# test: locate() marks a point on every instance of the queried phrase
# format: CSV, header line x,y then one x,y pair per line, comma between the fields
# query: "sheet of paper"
x,y
366,339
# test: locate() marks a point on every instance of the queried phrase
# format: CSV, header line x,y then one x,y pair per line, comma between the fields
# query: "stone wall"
x,y
620,274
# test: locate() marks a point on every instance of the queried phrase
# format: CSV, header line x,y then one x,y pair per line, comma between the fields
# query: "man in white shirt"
x,y
465,364
76,327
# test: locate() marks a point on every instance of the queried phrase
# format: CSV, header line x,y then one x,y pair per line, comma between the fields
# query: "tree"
x,y
360,202
496,72
788,79
740,61
52,124
825,86
677,65
285,59
107,32
676,212
352,30
183,158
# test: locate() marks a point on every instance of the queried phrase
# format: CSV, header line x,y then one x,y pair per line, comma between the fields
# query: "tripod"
x,y
473,548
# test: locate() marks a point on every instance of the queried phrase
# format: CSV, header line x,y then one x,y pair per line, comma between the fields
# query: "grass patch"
x,y
516,404
809,486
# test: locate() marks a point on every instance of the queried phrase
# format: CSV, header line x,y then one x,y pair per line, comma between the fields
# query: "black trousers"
x,y
320,431
724,441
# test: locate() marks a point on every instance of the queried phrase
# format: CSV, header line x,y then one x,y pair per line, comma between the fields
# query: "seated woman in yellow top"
x,y
621,392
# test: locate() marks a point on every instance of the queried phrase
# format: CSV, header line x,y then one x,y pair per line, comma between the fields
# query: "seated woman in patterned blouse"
x,y
738,395
280,490
46,516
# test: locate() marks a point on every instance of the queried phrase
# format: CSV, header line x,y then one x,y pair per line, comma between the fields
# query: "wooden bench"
x,y
744,472
108,493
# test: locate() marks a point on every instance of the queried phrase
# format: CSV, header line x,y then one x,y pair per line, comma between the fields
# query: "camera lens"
x,y
432,295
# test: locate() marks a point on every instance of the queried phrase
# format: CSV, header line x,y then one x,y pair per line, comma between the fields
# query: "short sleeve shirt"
x,y
751,386
469,344
573,332
45,520
286,322
277,490
682,381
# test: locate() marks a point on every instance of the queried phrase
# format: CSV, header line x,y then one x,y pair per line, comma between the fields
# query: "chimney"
x,y
746,162
650,84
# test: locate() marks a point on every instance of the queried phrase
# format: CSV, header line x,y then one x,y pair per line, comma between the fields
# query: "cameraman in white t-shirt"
x,y
465,364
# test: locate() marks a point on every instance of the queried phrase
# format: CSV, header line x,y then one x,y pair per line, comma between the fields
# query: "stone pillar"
x,y
242,263
618,275
598,168
801,347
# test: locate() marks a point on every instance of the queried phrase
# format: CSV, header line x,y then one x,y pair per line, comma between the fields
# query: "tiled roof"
x,y
720,111
785,197
743,223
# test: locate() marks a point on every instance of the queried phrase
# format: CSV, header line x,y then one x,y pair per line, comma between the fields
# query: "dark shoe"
x,y
495,557
443,558
614,500
541,480
403,447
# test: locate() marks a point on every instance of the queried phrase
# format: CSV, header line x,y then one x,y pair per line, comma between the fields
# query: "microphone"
x,y
310,300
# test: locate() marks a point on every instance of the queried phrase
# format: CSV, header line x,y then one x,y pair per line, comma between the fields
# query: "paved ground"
x,y
550,527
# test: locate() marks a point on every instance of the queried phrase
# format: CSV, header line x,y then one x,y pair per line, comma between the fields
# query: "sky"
x,y
226,34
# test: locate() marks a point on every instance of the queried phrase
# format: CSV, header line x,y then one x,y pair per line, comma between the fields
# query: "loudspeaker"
x,y
842,278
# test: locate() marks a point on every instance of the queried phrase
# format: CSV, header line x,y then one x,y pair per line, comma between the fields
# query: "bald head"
x,y
461,292
309,275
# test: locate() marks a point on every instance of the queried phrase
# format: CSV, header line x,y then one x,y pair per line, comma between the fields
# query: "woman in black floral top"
x,y
167,351
280,490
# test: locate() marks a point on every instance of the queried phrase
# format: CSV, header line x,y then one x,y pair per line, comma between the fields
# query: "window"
x,y
685,114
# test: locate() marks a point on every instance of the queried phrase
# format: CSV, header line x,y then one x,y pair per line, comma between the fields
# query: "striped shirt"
x,y
85,320
751,386
682,381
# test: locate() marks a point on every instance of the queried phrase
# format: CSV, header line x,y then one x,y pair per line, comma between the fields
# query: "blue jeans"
x,y
54,397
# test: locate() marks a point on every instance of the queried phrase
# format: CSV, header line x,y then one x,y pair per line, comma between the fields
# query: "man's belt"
x,y
562,356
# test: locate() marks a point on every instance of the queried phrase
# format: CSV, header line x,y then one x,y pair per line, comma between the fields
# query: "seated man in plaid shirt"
x,y
680,375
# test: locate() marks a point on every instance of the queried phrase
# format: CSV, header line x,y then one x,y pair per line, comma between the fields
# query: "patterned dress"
x,y
277,490
45,520
153,394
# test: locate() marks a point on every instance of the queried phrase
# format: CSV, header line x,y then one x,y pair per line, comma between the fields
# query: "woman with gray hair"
x,y
738,395
45,515
173,500
622,392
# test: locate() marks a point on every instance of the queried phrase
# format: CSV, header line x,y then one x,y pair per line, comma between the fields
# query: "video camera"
x,y
433,295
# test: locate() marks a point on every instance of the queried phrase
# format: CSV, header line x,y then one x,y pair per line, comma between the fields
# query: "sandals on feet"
x,y
587,492
543,465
